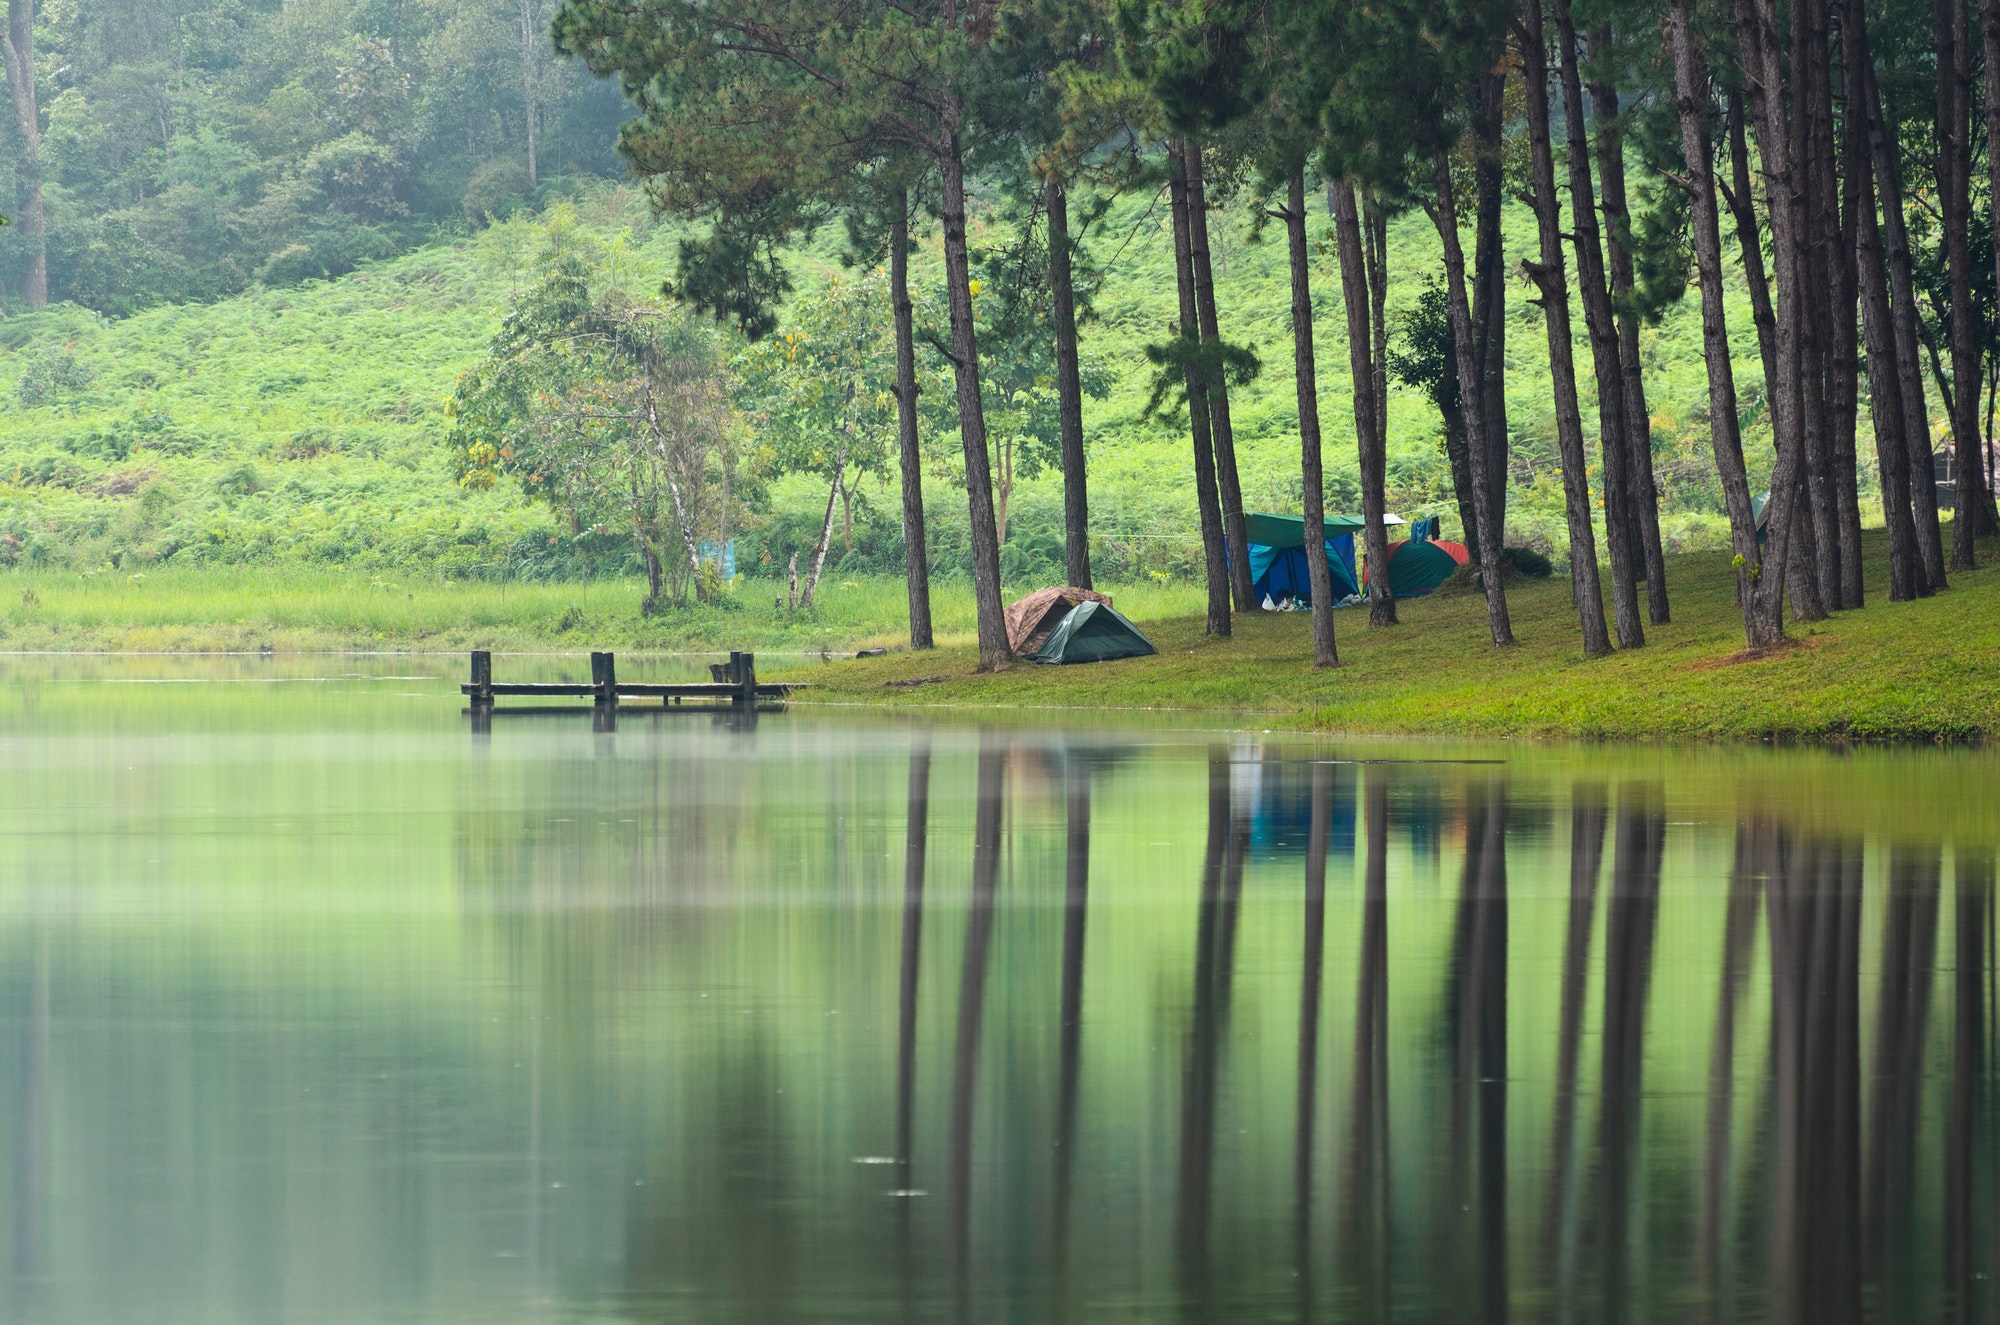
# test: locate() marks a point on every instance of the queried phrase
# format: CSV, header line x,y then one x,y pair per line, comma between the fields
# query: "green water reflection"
x,y
317,1006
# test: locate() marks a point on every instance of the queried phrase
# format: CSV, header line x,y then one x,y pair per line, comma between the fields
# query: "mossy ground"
x,y
1923,671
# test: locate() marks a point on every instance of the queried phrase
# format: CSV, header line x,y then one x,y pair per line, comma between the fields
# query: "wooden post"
x,y
604,676
482,679
746,677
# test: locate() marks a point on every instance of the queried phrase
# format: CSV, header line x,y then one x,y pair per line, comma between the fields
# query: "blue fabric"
x,y
1276,572
1424,530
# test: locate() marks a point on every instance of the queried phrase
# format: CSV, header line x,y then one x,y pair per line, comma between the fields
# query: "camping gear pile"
x,y
1064,624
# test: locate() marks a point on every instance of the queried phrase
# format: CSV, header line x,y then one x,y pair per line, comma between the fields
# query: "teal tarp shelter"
x,y
1278,565
1093,632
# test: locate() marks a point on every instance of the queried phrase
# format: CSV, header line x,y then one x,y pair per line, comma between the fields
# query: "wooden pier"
x,y
734,687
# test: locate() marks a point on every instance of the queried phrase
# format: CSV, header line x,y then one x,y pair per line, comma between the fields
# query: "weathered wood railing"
x,y
735,685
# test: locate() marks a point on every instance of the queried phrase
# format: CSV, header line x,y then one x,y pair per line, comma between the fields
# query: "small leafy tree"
x,y
612,409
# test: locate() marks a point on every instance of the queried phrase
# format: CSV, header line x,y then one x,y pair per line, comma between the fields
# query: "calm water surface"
x,y
317,1006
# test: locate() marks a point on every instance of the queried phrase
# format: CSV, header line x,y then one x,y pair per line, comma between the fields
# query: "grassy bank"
x,y
1906,671
305,609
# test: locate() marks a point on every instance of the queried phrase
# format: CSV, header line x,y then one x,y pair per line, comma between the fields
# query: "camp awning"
x,y
1281,531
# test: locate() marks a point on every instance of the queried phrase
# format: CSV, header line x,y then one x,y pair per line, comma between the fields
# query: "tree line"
x,y
1839,137
165,151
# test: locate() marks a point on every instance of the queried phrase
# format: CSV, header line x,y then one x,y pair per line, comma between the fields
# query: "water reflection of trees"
x,y
1754,1132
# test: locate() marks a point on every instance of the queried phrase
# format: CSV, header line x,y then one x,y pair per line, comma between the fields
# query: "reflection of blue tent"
x,y
1278,563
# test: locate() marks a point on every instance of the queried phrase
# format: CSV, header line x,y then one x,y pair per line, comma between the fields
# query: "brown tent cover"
x,y
1030,620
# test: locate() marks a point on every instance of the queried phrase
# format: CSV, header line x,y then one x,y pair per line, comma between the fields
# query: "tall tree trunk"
x,y
1885,391
18,46
1691,99
1553,284
530,99
1819,224
1218,391
1743,211
1375,246
1644,502
916,558
1367,435
1844,349
1489,288
1069,392
1206,501
993,651
1909,352
1989,26
1602,325
1757,26
1466,364
1451,408
1955,186
1313,505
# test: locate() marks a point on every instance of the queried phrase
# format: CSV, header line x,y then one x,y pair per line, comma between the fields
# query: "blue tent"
x,y
1278,565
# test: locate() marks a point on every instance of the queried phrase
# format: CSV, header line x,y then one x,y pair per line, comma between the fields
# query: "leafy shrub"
x,y
54,375
1528,563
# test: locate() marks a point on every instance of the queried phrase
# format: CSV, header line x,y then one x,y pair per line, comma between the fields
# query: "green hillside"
x,y
301,425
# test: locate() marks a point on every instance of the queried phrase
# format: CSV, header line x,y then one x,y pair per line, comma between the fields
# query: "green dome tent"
x,y
1093,632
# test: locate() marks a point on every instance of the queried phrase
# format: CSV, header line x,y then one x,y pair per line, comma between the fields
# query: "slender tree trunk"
x,y
1206,501
1553,284
1909,352
18,46
1354,295
1218,391
1812,158
825,534
993,651
1844,359
1466,364
1489,292
1602,325
1644,501
1885,392
1375,244
1451,408
1989,26
1313,506
1691,99
1955,171
1743,211
916,558
1069,392
1757,24
530,100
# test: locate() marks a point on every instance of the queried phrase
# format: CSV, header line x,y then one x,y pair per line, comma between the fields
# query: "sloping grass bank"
x,y
1925,671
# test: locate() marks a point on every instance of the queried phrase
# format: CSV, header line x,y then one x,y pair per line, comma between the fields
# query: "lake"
x,y
318,1006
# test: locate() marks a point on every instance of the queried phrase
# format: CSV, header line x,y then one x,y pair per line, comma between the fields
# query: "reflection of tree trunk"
x,y
972,992
1814,903
1477,1042
1974,889
916,831
1305,1113
1076,901
1214,928
1365,1213
1586,858
1902,1026
1739,930
910,459
1628,969
31,1140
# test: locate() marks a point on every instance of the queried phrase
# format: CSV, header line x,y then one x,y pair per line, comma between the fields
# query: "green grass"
x,y
1925,671
298,609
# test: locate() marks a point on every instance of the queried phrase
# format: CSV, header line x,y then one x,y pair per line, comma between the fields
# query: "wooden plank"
x,y
534,688
703,689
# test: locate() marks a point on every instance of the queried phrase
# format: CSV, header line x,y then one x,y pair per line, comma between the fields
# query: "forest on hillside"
x,y
1029,288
